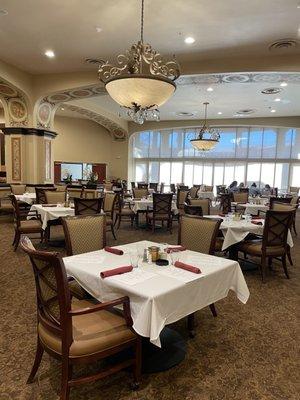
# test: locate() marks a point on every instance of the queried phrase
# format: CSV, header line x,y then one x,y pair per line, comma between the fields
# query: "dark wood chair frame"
x,y
87,206
191,318
111,213
121,204
193,210
225,203
63,328
162,205
40,194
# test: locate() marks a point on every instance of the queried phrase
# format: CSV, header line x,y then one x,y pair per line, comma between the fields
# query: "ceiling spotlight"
x,y
210,89
273,111
49,54
283,84
98,29
277,99
220,113
189,40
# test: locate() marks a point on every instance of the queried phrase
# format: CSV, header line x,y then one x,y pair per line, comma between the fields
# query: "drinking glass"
x,y
134,259
174,256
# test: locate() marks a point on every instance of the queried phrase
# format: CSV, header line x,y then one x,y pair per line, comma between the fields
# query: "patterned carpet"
x,y
249,352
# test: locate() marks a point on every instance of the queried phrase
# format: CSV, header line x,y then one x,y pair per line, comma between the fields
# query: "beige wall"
x,y
82,140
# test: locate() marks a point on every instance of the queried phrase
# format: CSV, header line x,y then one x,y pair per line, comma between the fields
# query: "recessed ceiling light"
x,y
273,111
49,53
185,114
98,29
277,99
210,89
189,40
3,12
283,84
220,113
272,90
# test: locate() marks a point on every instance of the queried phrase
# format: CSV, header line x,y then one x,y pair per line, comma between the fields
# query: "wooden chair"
x,y
18,189
88,206
172,188
162,210
124,211
274,240
153,186
182,195
225,203
40,194
84,233
273,199
22,225
77,332
183,187
54,197
241,197
140,193
90,194
109,207
142,185
74,193
5,201
61,188
203,203
193,210
198,234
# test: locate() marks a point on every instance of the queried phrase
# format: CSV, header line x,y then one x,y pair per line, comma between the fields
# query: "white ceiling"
x,y
220,27
226,98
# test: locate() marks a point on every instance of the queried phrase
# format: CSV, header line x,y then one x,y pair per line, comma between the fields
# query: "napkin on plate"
x,y
113,250
116,271
187,267
175,249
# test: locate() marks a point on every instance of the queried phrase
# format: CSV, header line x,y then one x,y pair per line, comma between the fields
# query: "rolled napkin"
x,y
187,267
256,222
256,217
175,249
116,271
113,250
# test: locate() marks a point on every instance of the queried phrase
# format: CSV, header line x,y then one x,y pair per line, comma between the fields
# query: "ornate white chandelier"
x,y
141,81
207,137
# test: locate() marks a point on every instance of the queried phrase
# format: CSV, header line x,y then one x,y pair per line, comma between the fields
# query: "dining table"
x,y
145,204
28,198
50,212
250,208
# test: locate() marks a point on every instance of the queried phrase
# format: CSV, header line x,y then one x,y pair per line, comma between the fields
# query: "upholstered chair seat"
x,y
32,225
18,189
54,197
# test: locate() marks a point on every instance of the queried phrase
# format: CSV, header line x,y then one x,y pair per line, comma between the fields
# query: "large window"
x,y
77,170
264,155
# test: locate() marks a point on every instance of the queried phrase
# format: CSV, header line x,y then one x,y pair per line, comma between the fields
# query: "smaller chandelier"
x,y
207,137
141,81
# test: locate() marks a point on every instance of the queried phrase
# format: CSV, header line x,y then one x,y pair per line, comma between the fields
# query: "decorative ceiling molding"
x,y
266,77
16,108
83,92
115,130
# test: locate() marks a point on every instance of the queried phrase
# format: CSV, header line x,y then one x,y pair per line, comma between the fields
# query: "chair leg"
x,y
119,221
66,376
38,358
263,269
270,262
42,236
294,226
138,364
113,232
17,240
289,255
153,225
213,310
191,325
283,259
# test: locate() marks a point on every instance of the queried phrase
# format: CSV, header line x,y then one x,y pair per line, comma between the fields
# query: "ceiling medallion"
x,y
141,81
207,137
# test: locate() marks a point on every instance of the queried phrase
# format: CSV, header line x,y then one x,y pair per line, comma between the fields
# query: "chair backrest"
x,y
295,200
220,189
132,185
17,211
87,206
61,188
40,194
142,185
198,233
294,189
139,193
90,194
18,189
162,187
173,188
277,224
153,185
84,233
162,203
286,200
181,197
4,194
110,202
194,191
226,202
52,292
183,187
208,188
244,190
203,203
72,193
193,210
283,206
241,197
54,197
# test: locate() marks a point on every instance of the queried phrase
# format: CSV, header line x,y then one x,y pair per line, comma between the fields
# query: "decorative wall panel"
x,y
16,158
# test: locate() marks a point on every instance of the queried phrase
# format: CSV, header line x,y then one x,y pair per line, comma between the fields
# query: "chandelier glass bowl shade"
x,y
207,137
141,81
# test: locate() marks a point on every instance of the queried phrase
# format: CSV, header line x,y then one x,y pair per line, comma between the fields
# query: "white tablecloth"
x,y
236,231
28,198
141,205
253,209
51,213
158,295
206,195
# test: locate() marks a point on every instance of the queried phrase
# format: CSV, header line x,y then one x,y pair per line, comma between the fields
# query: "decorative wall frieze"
x,y
15,105
76,94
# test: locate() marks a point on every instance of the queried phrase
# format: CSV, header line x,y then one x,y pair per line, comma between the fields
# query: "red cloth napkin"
x,y
187,267
175,249
256,222
114,251
49,205
256,217
221,215
116,271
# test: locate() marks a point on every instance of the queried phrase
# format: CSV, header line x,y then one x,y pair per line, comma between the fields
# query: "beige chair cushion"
x,y
126,211
30,225
92,333
255,248
197,233
54,197
18,189
203,203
